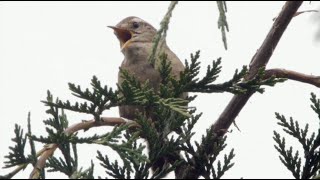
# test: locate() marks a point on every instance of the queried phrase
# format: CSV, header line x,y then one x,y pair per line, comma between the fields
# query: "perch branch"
x,y
283,73
49,149
259,60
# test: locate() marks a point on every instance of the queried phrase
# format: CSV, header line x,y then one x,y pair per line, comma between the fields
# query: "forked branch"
x,y
259,60
49,149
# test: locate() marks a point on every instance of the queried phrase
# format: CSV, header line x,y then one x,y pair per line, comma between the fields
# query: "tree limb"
x,y
259,60
49,149
283,73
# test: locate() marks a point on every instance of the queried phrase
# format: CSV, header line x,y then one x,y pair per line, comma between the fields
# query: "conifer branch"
x,y
191,82
222,22
17,156
259,60
49,149
161,34
171,115
310,145
290,160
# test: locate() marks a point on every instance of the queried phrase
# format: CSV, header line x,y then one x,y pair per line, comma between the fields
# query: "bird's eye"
x,y
135,25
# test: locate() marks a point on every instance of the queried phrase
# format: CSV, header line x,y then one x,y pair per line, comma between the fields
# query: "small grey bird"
x,y
136,36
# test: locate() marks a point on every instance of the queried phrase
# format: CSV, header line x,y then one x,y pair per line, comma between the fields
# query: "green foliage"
x,y
69,163
161,34
222,22
55,125
16,156
134,162
166,123
310,144
191,82
315,104
100,98
84,174
136,93
201,158
169,133
33,155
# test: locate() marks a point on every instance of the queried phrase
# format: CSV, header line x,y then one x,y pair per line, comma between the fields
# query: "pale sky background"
x,y
45,45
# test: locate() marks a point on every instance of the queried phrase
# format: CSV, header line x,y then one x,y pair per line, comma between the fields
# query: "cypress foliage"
x,y
170,135
306,164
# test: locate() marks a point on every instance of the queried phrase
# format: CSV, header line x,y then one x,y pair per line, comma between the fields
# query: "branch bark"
x,y
49,149
259,60
293,75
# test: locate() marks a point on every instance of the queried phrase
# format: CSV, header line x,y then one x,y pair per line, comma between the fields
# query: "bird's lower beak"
x,y
123,35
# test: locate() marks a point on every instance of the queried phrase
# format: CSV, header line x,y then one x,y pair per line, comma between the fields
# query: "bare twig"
x,y
259,60
301,12
283,73
49,149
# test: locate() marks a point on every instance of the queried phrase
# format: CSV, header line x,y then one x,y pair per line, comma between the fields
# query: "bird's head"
x,y
132,30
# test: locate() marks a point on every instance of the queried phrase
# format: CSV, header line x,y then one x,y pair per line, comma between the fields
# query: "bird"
x,y
136,42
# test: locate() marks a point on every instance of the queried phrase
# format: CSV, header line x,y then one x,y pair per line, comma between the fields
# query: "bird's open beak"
x,y
123,35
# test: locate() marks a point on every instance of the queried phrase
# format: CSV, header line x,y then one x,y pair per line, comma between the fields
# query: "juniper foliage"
x,y
170,135
306,164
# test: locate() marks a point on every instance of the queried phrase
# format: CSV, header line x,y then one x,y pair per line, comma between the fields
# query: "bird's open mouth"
x,y
123,35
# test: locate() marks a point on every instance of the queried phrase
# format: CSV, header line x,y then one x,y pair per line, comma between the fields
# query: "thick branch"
x,y
260,59
283,73
49,149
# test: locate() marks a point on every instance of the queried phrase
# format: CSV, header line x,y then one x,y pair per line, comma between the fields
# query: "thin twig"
x,y
301,12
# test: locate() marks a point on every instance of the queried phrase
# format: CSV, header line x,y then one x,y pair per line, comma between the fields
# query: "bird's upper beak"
x,y
123,35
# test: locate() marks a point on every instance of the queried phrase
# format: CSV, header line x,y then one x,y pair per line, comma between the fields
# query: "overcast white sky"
x,y
45,45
